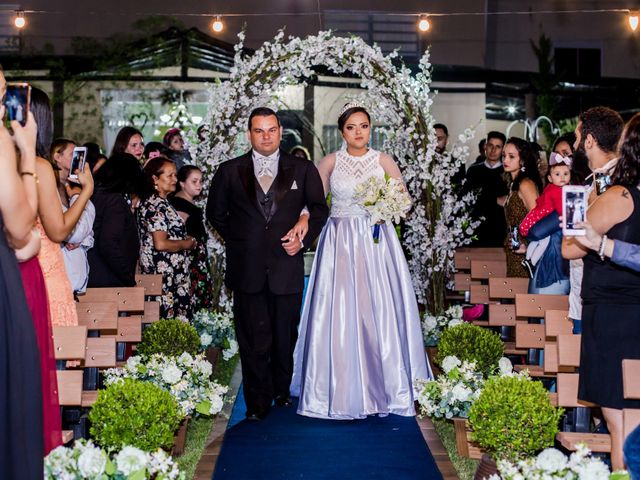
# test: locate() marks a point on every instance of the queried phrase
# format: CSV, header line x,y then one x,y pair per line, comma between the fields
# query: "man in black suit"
x,y
254,202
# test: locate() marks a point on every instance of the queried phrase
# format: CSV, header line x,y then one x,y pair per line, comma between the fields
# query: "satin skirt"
x,y
360,343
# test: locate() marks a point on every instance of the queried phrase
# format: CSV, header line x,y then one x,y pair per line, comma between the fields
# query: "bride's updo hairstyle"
x,y
348,110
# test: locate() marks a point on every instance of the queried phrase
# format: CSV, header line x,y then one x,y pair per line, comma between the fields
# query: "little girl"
x,y
559,174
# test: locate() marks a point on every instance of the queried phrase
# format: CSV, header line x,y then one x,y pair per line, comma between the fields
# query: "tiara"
x,y
349,106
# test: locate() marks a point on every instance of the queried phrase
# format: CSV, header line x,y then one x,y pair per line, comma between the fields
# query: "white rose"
x,y
551,460
205,339
130,460
450,362
92,462
505,366
171,374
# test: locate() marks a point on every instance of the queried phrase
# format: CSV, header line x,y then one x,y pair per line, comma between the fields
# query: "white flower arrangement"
x,y
552,464
216,330
185,377
433,326
452,393
440,221
385,199
85,461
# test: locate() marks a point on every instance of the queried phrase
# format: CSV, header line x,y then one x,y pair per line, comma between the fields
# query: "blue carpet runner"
x,y
287,446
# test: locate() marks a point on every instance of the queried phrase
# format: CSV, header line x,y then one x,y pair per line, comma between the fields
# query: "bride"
x,y
360,344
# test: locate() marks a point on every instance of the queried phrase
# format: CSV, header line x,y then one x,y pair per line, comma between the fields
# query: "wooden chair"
x,y
556,322
463,256
130,329
129,299
535,306
69,343
631,387
485,269
98,315
507,287
569,350
568,397
152,284
151,312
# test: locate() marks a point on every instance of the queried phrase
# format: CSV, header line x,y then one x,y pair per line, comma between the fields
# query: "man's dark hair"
x,y
262,112
604,124
498,135
442,127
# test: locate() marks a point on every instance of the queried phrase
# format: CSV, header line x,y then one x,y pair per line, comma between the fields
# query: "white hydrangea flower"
x,y
130,459
454,322
450,362
205,339
551,460
505,366
171,374
185,358
429,323
461,393
230,352
92,462
592,469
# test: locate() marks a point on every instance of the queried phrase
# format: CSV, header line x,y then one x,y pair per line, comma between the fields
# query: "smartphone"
x,y
514,238
77,161
574,209
16,102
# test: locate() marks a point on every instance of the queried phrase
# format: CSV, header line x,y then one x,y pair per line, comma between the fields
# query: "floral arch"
x,y
439,222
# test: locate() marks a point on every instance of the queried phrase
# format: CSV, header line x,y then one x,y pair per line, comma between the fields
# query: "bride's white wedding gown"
x,y
360,344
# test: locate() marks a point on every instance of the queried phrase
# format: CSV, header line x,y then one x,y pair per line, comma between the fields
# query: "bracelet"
x,y
603,244
31,174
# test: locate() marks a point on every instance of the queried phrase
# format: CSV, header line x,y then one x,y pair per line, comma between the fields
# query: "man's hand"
x,y
291,246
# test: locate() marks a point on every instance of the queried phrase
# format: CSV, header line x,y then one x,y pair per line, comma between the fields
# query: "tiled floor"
x,y
205,468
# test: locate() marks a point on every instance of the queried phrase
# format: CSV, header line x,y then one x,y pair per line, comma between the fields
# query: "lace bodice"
x,y
348,172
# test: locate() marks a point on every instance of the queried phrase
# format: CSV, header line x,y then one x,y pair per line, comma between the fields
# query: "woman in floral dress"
x,y
189,188
164,243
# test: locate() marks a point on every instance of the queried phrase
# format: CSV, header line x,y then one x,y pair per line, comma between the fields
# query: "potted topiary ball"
x,y
472,343
513,419
170,337
134,413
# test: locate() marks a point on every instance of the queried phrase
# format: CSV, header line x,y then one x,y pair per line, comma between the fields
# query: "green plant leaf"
x,y
203,408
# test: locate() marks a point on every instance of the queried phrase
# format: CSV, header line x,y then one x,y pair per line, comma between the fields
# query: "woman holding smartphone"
x,y
611,293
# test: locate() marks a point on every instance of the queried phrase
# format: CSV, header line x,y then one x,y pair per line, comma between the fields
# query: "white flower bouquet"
x,y
385,200
85,461
433,326
216,330
185,377
552,464
452,393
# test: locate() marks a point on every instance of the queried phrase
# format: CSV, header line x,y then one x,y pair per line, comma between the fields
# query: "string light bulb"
x,y
424,25
19,21
633,20
217,25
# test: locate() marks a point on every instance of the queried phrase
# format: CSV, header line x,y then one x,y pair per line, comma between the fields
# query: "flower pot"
x,y
212,354
432,353
486,468
180,438
464,445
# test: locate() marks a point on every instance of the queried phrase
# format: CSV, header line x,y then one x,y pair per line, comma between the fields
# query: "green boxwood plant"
x,y
134,413
513,418
473,344
170,337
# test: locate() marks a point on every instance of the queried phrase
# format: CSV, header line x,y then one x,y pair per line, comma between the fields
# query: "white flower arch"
x,y
438,222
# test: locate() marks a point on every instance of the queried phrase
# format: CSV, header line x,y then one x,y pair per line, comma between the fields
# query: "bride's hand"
x,y
299,230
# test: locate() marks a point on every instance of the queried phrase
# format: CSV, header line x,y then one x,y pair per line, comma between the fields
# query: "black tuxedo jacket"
x,y
254,249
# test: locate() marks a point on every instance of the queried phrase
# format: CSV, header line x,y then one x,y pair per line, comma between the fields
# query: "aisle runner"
x,y
287,446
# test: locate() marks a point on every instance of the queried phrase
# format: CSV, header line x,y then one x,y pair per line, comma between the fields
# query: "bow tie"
x,y
267,166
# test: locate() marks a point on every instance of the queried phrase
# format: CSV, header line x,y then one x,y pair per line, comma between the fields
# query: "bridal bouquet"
x,y
552,464
216,330
85,461
452,393
433,326
185,377
385,200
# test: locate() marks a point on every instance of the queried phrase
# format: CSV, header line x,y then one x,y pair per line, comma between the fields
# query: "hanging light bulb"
x,y
633,20
424,25
217,25
19,21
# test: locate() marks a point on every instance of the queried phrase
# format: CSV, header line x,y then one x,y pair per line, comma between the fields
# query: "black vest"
x,y
266,199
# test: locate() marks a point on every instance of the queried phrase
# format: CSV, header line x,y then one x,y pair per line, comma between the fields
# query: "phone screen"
x,y
16,102
574,209
77,161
